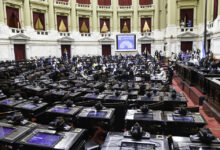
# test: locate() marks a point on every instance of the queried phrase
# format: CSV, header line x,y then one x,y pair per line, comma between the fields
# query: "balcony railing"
x,y
104,7
146,6
62,3
105,34
83,5
85,34
64,33
146,33
187,29
17,30
125,7
210,25
42,32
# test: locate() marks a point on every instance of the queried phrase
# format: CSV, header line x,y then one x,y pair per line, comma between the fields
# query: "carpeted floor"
x,y
213,125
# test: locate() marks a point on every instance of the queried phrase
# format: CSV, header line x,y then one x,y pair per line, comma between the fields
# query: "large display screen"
x,y
5,131
126,42
44,139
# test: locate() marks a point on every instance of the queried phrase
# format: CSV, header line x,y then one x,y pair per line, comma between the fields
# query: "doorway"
x,y
106,50
19,50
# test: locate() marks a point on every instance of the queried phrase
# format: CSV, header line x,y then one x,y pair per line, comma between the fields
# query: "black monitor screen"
x,y
136,146
99,114
60,110
146,98
5,131
7,102
44,139
143,116
183,118
29,106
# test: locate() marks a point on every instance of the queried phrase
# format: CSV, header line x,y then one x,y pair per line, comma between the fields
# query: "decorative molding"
x,y
145,39
106,39
188,35
20,36
66,39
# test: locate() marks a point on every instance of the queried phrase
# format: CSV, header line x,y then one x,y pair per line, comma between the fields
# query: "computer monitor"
x,y
44,139
183,118
7,102
98,114
4,131
60,110
29,106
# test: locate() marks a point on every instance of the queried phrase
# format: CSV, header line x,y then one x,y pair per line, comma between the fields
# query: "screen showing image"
x,y
113,97
143,116
61,110
5,131
126,42
7,102
183,118
29,106
136,146
44,139
99,114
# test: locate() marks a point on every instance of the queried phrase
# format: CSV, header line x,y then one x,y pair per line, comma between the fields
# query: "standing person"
x,y
182,24
189,24
156,54
162,56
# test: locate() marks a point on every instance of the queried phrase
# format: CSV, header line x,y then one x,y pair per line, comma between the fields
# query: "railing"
x,y
125,7
146,33
186,29
62,3
86,34
105,34
83,5
64,33
41,32
17,30
210,25
103,7
145,6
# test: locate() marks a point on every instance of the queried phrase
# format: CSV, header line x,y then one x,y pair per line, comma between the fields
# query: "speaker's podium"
x,y
150,120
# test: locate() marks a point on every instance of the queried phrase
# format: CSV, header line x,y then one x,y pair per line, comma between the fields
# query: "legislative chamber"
x,y
109,75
